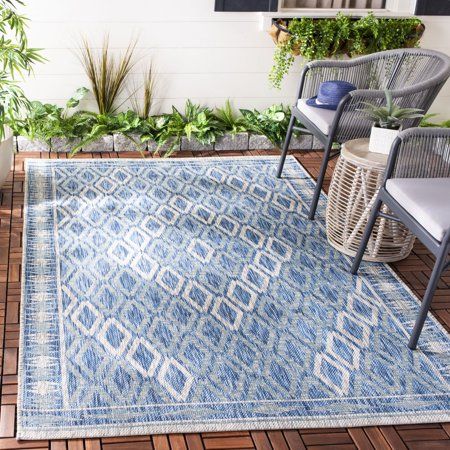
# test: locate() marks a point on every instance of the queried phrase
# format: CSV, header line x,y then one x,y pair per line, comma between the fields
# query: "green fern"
x,y
232,123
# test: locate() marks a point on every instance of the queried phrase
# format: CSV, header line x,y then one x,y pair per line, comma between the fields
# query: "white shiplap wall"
x,y
199,54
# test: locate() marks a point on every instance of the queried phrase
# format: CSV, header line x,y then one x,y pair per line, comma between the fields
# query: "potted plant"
x,y
16,60
343,35
387,123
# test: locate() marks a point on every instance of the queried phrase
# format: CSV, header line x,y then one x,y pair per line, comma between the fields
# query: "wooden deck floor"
x,y
414,271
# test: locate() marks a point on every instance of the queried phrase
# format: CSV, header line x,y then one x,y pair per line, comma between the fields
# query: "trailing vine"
x,y
343,35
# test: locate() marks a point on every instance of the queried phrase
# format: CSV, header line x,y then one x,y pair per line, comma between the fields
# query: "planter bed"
x,y
121,143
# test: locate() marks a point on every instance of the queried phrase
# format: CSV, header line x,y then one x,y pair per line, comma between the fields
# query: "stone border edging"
x,y
121,143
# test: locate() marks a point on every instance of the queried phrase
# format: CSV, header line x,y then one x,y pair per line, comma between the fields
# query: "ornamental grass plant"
x,y
107,73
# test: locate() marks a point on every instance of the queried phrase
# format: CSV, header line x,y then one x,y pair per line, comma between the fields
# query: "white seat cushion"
x,y
426,199
322,118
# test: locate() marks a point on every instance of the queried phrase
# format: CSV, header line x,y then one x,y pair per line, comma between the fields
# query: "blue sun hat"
x,y
330,94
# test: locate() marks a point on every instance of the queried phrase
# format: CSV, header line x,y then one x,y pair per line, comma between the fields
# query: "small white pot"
x,y
6,156
381,140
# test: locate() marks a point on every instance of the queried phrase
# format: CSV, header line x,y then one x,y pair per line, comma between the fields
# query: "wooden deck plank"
x,y
376,438
433,434
177,442
194,441
142,445
7,420
294,440
393,438
13,444
58,445
261,440
92,444
327,439
75,444
234,442
360,439
277,440
161,442
429,445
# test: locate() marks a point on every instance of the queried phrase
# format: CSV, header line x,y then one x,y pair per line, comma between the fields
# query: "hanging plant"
x,y
343,35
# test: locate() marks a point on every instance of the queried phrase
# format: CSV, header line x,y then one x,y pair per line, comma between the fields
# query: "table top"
x,y
357,152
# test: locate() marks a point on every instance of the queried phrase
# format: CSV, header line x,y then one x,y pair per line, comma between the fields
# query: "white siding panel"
x,y
152,34
205,86
173,60
200,54
131,10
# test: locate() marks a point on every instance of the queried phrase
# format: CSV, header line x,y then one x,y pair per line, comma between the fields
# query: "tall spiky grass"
x,y
107,73
143,97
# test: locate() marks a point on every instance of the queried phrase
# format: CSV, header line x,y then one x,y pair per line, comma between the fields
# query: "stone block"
x,y
63,145
31,145
229,142
104,144
302,142
194,146
259,142
123,143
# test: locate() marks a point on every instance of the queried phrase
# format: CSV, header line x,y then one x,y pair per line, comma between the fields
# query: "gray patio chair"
x,y
415,77
417,191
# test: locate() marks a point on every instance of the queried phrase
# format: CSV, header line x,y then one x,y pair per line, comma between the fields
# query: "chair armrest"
x,y
420,153
350,121
353,101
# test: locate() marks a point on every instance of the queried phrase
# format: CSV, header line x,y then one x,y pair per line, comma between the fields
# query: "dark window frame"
x,y
246,5
433,8
423,7
332,8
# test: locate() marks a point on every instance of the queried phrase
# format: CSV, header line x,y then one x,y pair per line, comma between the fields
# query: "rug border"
x,y
22,305
245,425
215,426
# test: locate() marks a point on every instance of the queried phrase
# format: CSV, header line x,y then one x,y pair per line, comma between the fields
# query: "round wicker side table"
x,y
357,177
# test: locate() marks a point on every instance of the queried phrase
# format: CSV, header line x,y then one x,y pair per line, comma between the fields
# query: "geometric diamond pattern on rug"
x,y
195,295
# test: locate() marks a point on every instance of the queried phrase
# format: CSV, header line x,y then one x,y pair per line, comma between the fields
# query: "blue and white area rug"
x,y
192,295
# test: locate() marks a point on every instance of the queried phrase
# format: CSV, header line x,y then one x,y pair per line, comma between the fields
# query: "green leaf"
x,y
201,118
188,130
388,99
74,101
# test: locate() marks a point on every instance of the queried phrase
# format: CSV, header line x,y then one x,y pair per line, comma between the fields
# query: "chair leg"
x,y
427,298
366,236
319,183
287,141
